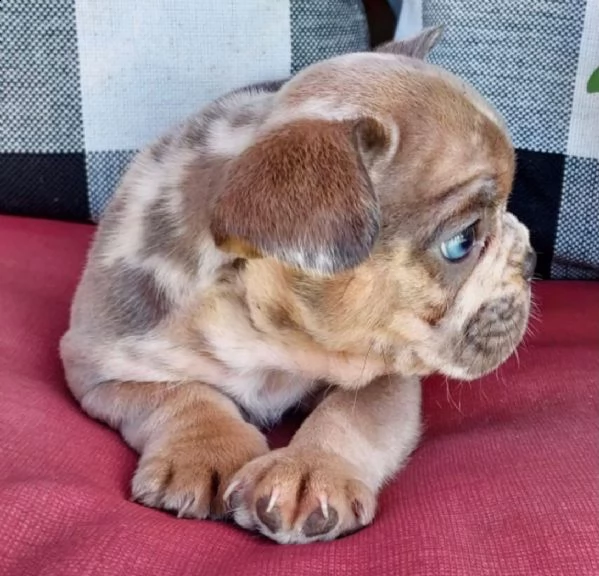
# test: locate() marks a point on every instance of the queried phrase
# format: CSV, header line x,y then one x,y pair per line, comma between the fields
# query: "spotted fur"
x,y
282,246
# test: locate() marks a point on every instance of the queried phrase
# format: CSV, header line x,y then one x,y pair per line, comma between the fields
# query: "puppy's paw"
x,y
300,495
188,474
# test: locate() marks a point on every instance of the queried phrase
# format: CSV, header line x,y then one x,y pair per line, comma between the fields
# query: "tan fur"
x,y
193,440
284,245
306,491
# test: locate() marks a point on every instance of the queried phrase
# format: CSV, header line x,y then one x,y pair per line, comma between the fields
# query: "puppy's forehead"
x,y
448,133
351,84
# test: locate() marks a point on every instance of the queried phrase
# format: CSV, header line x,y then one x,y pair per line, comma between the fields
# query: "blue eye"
x,y
459,246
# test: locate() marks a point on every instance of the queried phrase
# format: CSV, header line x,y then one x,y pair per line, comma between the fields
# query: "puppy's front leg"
x,y
325,482
191,438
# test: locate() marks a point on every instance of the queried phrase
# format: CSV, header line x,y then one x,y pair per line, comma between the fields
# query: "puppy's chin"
x,y
489,318
490,336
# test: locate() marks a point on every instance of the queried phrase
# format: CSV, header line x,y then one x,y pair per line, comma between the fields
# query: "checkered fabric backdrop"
x,y
86,83
533,59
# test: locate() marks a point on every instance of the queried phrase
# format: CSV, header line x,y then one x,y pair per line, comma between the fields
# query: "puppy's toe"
x,y
297,496
269,516
181,489
188,477
319,524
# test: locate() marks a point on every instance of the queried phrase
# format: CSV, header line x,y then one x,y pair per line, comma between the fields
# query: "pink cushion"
x,y
504,482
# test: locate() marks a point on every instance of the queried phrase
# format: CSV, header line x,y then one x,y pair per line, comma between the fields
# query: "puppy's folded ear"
x,y
417,46
301,193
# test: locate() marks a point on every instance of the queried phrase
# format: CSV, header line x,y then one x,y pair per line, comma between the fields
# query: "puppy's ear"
x,y
417,46
301,194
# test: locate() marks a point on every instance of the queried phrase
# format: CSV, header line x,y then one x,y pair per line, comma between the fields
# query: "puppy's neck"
x,y
345,314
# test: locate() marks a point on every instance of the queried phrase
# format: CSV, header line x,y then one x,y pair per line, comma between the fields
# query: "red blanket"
x,y
505,481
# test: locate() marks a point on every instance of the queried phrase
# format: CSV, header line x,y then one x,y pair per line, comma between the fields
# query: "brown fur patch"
x,y
200,443
135,302
301,194
361,167
281,317
164,235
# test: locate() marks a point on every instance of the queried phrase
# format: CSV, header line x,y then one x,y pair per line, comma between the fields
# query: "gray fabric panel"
x,y
522,55
40,108
104,171
321,29
145,65
576,253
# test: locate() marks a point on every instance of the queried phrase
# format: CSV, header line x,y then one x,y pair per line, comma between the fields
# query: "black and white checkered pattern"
x,y
86,83
532,60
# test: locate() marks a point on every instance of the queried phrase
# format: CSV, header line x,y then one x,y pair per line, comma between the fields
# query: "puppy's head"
x,y
379,184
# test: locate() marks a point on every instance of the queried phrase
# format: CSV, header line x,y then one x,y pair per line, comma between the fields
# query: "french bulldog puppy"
x,y
329,239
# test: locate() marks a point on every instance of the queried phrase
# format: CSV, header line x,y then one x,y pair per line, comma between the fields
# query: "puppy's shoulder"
x,y
153,252
162,204
227,126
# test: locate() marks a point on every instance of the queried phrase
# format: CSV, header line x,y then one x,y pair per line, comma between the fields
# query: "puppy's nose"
x,y
529,265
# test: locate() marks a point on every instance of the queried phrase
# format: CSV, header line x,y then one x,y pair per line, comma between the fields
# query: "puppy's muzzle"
x,y
492,313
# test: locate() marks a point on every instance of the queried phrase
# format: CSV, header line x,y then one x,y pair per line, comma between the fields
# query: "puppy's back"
x,y
153,250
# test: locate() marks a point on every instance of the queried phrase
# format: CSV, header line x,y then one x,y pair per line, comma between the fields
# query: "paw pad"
x,y
318,524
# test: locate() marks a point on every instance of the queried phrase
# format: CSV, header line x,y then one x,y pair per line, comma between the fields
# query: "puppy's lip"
x,y
488,364
457,373
463,374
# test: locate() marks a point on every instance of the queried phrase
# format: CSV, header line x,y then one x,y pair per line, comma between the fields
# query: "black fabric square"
x,y
44,185
536,199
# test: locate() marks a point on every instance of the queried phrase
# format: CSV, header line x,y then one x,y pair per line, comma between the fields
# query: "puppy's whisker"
x,y
515,348
534,312
362,374
366,359
497,371
500,376
328,389
355,402
460,390
346,288
513,344
450,397
387,365
482,394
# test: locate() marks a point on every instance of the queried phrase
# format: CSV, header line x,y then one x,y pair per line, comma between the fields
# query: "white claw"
x,y
230,489
185,506
274,495
324,506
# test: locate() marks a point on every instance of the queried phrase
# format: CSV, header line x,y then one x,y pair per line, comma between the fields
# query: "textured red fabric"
x,y
504,482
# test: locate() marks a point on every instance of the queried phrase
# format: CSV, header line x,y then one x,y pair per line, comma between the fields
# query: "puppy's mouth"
x,y
490,335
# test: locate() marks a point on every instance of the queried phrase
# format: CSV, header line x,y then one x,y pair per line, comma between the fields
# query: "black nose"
x,y
529,265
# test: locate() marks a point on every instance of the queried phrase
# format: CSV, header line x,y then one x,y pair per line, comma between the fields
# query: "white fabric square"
x,y
146,64
583,139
